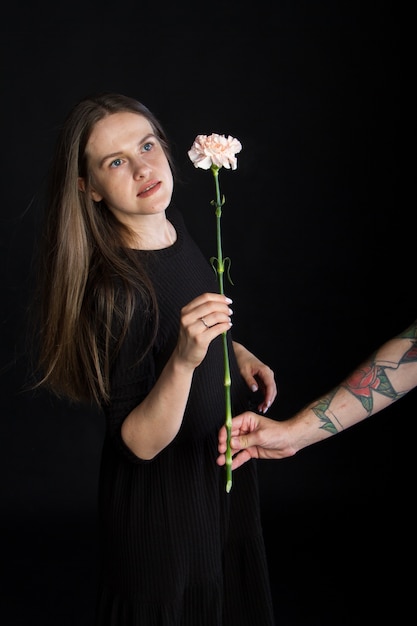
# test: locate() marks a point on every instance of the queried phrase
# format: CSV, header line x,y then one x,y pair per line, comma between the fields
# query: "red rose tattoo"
x,y
366,380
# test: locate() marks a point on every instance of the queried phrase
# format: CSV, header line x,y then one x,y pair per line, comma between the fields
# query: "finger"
x,y
222,438
242,441
241,458
207,300
209,316
209,332
250,380
204,322
238,460
220,322
270,396
221,459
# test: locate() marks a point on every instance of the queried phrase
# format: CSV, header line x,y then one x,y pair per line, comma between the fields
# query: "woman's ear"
x,y
93,193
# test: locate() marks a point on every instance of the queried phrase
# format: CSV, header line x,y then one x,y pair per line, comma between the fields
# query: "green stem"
x,y
227,377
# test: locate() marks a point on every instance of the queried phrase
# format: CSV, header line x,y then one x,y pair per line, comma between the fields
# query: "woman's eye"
x,y
147,146
116,163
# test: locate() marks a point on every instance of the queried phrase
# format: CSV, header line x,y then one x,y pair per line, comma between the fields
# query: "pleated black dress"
x,y
176,549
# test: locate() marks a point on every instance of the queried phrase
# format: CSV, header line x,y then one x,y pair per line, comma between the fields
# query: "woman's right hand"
x,y
202,319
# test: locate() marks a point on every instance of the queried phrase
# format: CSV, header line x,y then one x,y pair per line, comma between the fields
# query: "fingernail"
x,y
229,300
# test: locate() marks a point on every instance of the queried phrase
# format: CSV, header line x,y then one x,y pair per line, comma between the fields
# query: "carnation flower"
x,y
214,152
214,149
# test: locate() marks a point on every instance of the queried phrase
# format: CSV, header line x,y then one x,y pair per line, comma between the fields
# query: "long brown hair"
x,y
83,260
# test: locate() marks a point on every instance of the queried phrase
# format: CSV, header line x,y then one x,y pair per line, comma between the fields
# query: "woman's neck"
x,y
154,235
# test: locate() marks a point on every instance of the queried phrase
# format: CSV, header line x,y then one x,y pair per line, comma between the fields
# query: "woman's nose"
x,y
140,168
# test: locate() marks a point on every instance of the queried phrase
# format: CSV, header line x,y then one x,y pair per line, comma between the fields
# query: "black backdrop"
x,y
320,228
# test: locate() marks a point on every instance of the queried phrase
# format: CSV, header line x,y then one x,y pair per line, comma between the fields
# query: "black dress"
x,y
176,549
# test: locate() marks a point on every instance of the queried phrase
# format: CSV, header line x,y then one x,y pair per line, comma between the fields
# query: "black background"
x,y
319,222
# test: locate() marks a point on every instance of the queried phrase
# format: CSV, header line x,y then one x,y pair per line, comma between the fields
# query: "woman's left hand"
x,y
258,376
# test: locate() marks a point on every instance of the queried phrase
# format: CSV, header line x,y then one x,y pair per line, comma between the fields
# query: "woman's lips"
x,y
149,189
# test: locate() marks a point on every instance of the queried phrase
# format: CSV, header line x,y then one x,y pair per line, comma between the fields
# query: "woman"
x,y
131,320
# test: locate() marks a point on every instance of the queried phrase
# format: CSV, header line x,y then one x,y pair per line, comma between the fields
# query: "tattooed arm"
x,y
382,379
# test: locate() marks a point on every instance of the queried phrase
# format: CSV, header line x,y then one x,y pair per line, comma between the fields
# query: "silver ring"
x,y
204,322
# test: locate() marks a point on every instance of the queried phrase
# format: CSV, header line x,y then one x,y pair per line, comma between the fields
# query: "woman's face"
x,y
128,167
